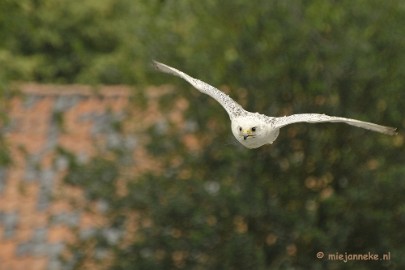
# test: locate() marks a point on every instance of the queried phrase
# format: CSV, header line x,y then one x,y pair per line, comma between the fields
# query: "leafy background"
x,y
327,188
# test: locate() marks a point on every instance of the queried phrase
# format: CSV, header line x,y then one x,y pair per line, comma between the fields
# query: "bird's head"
x,y
250,131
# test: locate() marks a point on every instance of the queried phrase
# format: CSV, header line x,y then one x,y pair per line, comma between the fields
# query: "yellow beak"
x,y
246,133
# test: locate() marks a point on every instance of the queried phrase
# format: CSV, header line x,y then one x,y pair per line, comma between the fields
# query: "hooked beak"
x,y
246,134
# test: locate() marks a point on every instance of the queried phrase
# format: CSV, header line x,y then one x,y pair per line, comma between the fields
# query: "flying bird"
x,y
253,130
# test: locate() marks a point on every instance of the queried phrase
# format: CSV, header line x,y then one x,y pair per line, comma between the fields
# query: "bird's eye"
x,y
253,129
240,128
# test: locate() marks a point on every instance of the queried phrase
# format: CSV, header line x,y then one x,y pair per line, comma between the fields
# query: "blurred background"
x,y
107,164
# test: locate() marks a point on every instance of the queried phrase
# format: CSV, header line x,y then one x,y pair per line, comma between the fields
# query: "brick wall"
x,y
34,227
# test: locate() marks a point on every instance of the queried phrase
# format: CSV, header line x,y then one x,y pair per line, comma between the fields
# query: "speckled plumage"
x,y
253,129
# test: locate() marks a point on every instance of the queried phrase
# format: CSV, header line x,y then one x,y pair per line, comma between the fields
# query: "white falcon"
x,y
254,129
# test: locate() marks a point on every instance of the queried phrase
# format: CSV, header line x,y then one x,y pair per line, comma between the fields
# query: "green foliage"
x,y
65,41
327,188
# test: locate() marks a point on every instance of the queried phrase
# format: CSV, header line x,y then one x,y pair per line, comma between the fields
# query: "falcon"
x,y
253,130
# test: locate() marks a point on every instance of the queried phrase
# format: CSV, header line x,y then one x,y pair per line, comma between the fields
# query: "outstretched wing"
x,y
232,108
279,122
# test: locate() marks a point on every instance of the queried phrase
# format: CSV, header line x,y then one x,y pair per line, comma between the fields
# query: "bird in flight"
x,y
253,130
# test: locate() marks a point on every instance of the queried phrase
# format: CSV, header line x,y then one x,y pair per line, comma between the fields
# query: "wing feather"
x,y
279,122
231,106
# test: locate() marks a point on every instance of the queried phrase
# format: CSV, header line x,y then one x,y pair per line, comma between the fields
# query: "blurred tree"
x,y
65,41
326,188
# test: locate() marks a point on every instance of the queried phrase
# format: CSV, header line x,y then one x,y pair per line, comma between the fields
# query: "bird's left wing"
x,y
231,106
279,122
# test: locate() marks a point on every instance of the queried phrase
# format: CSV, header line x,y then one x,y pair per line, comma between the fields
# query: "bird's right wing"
x,y
279,122
231,106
